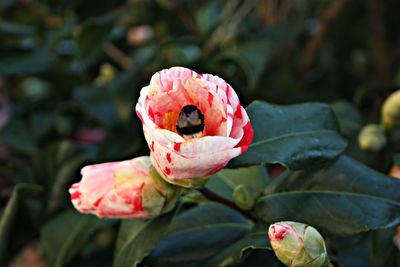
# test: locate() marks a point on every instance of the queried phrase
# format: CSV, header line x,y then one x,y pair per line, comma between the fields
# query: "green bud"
x,y
298,245
106,75
244,196
159,196
391,111
372,137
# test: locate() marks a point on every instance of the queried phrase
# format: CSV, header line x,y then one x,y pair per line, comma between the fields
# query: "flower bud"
x,y
297,244
396,238
391,111
395,171
372,137
126,189
244,196
106,75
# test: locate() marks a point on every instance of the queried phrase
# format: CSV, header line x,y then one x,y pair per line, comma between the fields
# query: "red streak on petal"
x,y
247,137
238,112
169,157
97,203
228,93
137,199
151,113
243,149
167,171
152,146
199,76
217,169
177,146
210,98
278,232
75,195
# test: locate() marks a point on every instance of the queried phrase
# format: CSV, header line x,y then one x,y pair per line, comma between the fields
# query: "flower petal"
x,y
175,166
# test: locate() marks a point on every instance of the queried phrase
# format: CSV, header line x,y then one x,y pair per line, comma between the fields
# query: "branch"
x,y
215,197
186,20
118,56
326,18
231,17
49,19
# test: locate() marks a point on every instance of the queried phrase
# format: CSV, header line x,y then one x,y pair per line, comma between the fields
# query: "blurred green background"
x,y
71,73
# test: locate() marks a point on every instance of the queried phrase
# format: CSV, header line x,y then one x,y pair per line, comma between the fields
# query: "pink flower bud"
x,y
140,34
126,189
395,171
298,245
396,238
193,123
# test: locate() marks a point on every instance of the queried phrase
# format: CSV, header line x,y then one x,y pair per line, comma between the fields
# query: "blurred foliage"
x,y
70,75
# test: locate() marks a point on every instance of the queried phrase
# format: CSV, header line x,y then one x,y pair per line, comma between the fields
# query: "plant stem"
x,y
327,16
215,197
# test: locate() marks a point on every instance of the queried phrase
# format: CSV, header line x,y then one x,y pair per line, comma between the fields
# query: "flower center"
x,y
190,122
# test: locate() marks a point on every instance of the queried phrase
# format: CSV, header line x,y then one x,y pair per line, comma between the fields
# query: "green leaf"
x,y
334,212
10,212
207,16
186,240
98,102
64,236
137,238
90,41
344,175
350,120
382,250
296,136
224,182
236,253
25,62
252,56
181,53
17,136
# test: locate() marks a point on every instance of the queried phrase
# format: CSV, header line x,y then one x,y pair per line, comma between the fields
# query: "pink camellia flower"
x,y
193,123
126,189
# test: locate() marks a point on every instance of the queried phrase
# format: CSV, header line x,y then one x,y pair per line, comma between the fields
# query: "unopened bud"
x,y
106,75
395,171
396,238
125,189
160,196
244,196
372,137
391,111
140,35
298,245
